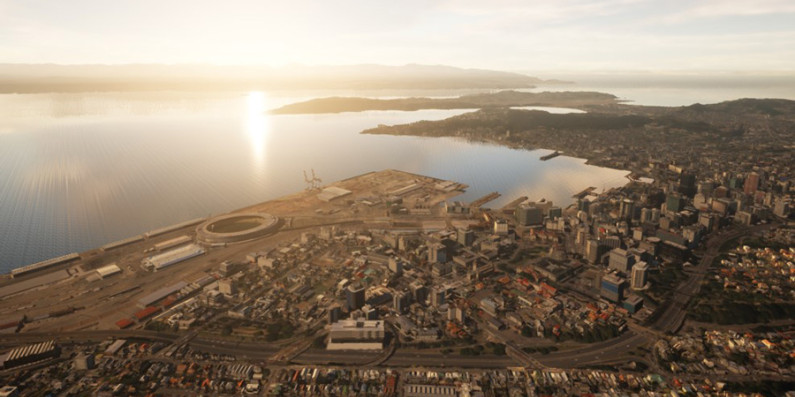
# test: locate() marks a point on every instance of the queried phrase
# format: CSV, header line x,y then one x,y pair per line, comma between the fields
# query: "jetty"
x,y
551,155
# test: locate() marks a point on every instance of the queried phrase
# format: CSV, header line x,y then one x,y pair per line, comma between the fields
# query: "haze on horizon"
x,y
568,35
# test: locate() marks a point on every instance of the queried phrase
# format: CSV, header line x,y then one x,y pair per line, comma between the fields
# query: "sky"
x,y
542,35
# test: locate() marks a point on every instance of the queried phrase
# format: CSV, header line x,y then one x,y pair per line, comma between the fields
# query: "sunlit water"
x,y
80,170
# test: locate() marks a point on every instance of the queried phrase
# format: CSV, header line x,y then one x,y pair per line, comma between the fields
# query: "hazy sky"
x,y
496,34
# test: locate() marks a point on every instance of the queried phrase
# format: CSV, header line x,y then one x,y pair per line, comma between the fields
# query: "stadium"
x,y
236,228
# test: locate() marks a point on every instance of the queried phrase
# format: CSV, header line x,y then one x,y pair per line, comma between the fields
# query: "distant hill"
x,y
476,101
77,78
744,131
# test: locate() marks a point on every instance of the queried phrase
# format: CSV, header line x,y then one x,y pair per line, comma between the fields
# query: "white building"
x,y
359,334
169,258
109,270
639,275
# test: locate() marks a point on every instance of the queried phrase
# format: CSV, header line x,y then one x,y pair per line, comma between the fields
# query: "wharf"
x,y
513,204
485,199
551,155
584,193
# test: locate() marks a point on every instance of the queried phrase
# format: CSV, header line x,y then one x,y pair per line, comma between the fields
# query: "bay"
x,y
80,170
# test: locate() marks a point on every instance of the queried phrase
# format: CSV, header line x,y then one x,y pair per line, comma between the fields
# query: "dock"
x,y
551,155
485,199
584,193
508,208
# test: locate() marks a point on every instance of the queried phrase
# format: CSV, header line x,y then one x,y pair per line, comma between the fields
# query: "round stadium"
x,y
236,227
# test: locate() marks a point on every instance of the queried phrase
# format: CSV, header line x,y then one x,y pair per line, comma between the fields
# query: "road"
x,y
671,319
454,360
674,315
611,351
596,353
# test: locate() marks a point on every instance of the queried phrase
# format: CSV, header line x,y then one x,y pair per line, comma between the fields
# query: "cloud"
x,y
728,8
500,34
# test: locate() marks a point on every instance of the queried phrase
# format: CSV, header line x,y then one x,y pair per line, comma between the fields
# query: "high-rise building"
x,y
751,183
612,241
400,301
529,215
707,220
612,288
438,253
782,208
626,209
354,296
419,292
687,184
369,312
500,226
592,251
706,188
645,215
621,260
674,203
633,303
639,275
465,237
455,313
226,286
655,215
438,296
395,265
334,314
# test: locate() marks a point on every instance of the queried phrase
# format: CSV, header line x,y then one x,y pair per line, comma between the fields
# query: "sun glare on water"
x,y
257,126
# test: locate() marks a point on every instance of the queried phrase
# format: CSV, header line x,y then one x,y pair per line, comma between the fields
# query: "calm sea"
x,y
80,170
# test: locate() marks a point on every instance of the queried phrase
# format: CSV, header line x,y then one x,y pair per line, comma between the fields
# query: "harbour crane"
x,y
312,183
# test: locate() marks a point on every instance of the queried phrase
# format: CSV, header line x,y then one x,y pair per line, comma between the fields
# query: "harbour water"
x,y
79,170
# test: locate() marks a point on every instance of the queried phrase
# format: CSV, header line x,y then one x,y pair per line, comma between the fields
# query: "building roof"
x,y
108,270
332,192
161,293
176,255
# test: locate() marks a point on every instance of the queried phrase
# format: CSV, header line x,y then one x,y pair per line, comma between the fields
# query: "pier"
x,y
485,199
584,193
510,207
551,155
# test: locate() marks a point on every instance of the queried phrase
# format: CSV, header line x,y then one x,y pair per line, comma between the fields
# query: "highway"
x,y
674,315
596,353
671,319
433,358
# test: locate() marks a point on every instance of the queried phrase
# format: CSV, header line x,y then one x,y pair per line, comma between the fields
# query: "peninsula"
x,y
476,101
636,138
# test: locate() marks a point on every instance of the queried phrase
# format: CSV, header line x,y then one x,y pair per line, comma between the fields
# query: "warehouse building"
x,y
107,271
169,258
172,243
161,294
30,354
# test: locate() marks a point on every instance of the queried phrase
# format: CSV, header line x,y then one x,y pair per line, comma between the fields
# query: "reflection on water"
x,y
80,170
257,126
